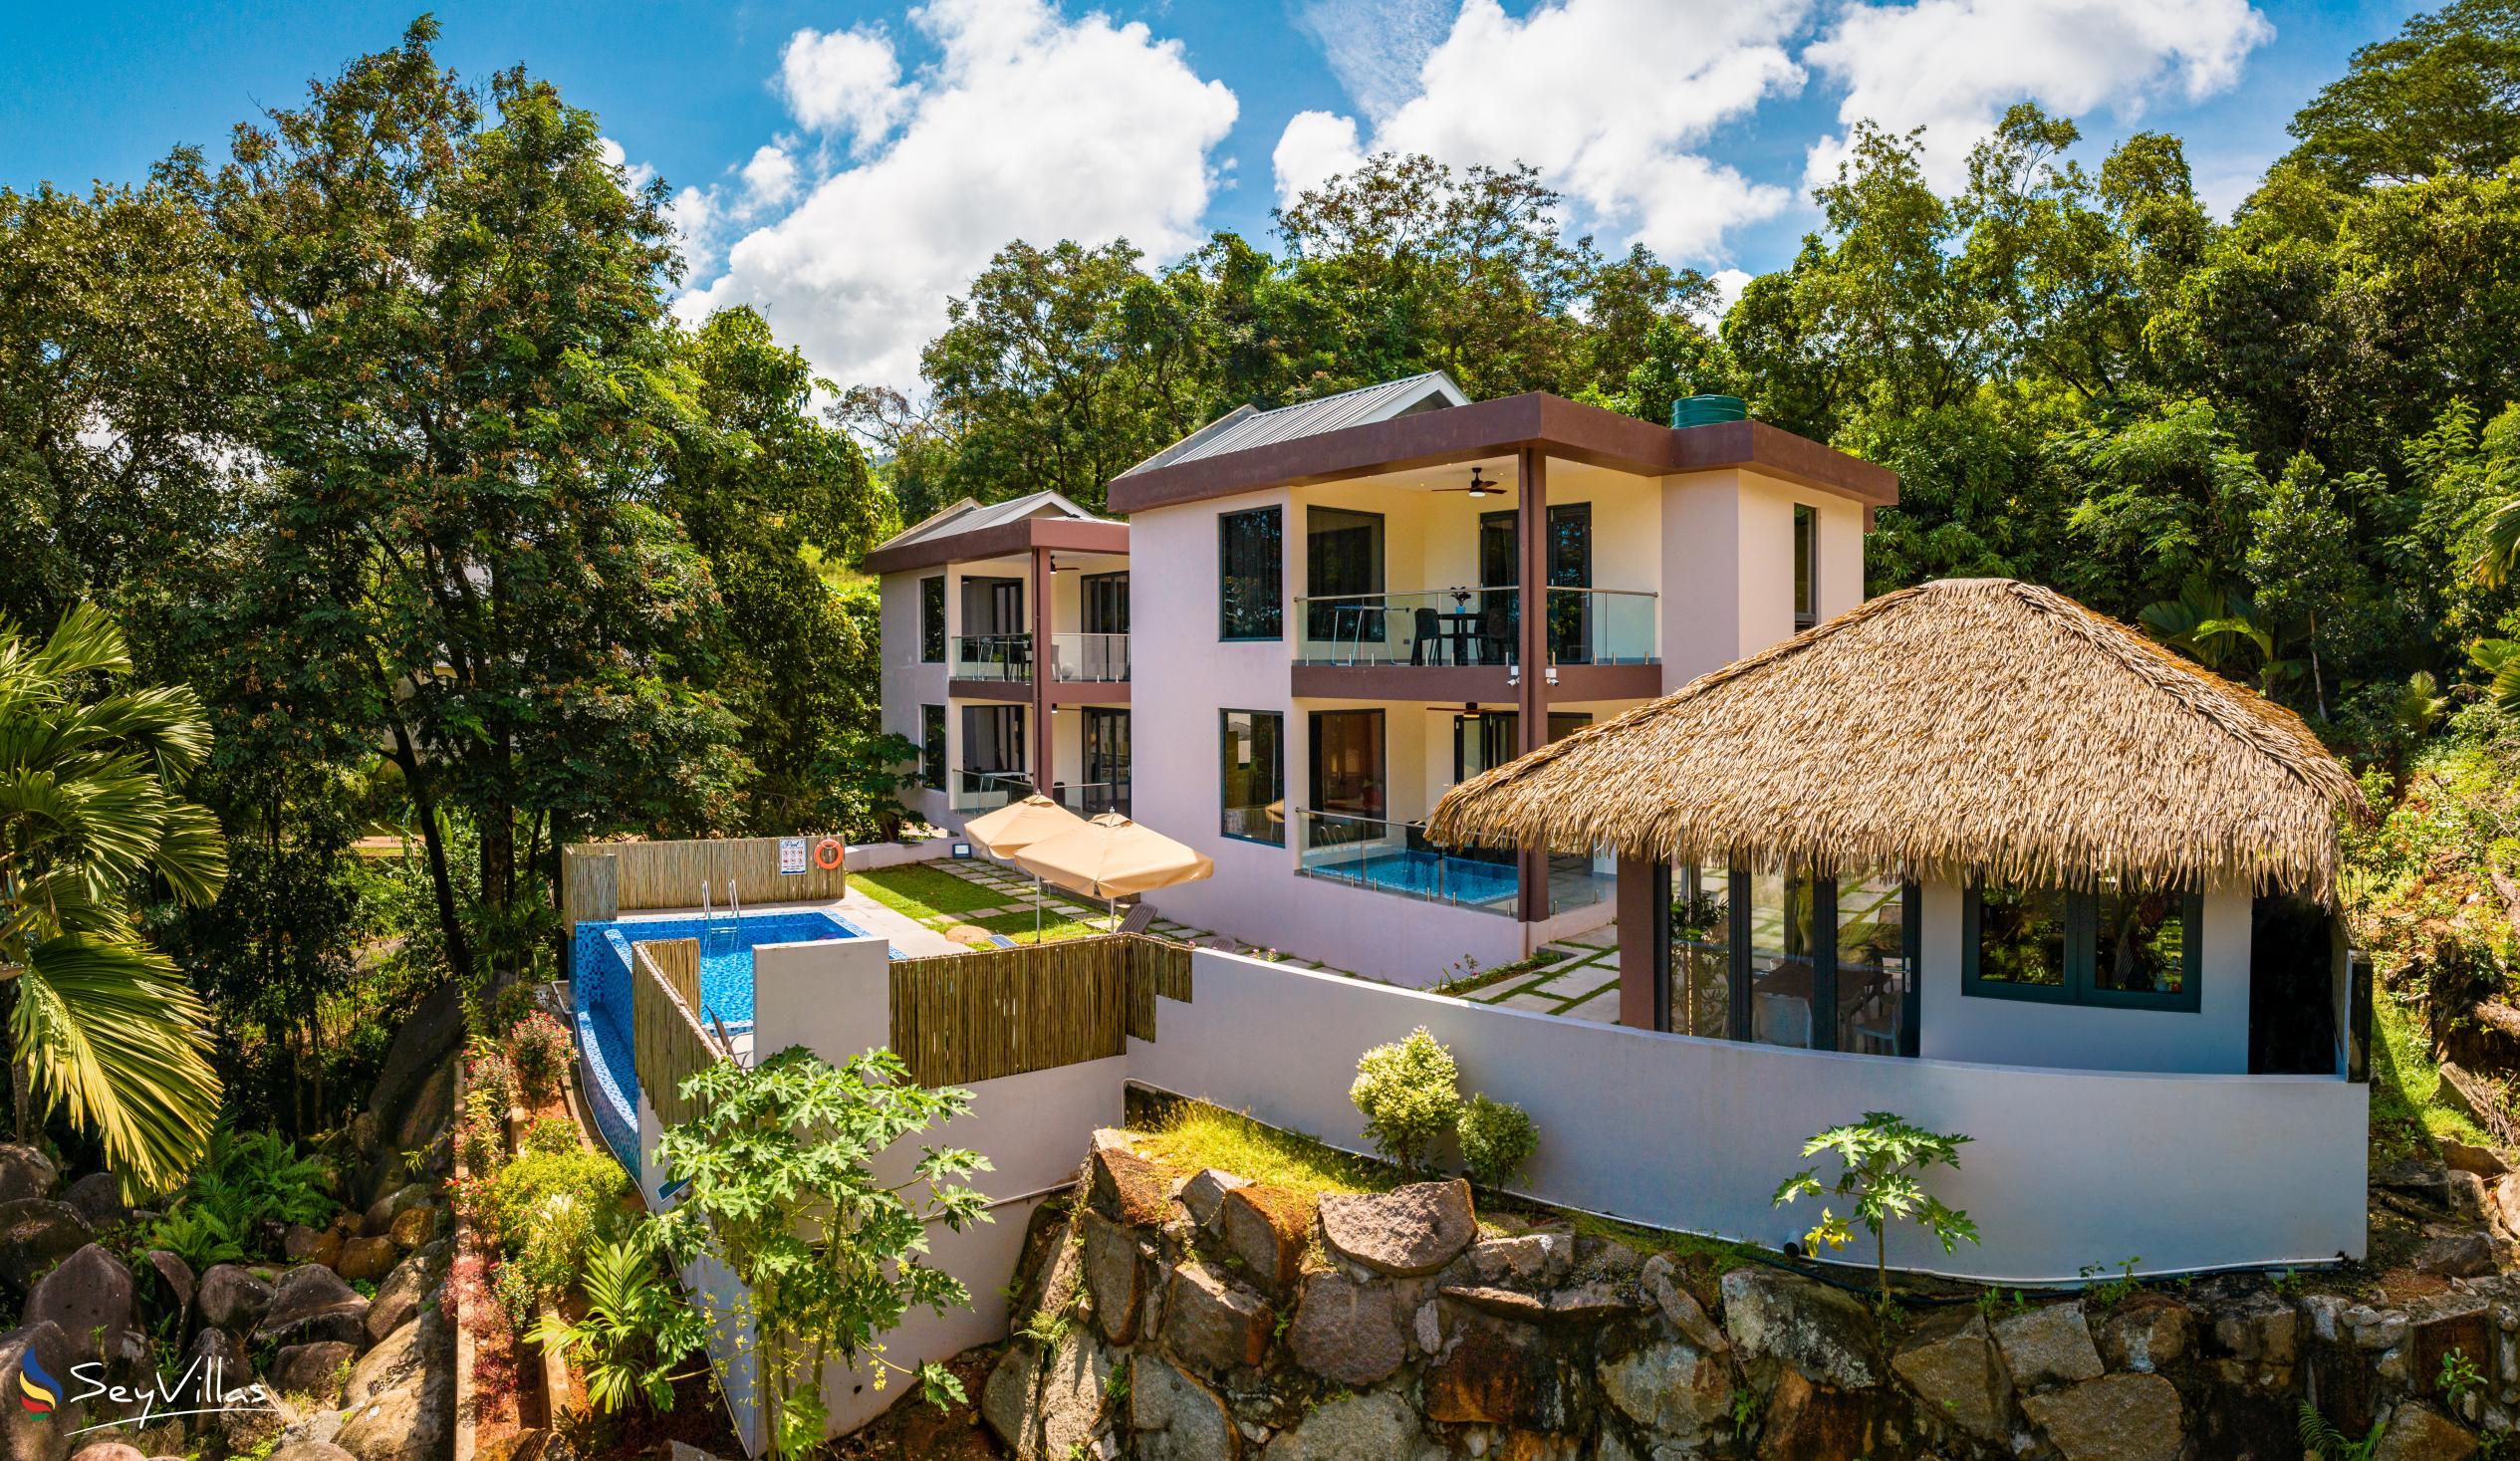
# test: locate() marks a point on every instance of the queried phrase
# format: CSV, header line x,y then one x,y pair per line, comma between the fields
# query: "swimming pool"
x,y
1421,874
600,984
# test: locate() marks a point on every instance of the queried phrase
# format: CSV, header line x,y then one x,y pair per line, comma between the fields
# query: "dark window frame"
x,y
1806,566
1320,560
1103,602
2082,958
931,619
1268,608
931,747
1224,741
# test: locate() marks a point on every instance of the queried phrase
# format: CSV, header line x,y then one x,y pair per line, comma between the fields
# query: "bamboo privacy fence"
x,y
677,961
959,1018
602,879
667,1044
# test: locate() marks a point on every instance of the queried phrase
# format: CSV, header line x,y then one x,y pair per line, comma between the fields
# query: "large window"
x,y
1701,951
1342,559
932,746
1253,784
931,619
2119,945
1105,609
1806,567
1347,747
1250,576
1813,963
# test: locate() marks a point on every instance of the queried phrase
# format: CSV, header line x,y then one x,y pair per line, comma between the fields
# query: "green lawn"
x,y
925,893
941,901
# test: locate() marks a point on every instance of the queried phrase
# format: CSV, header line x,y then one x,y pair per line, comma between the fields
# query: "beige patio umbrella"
x,y
1112,857
1017,825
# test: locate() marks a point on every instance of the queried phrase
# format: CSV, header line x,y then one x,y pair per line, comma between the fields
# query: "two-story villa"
x,y
1005,647
1332,632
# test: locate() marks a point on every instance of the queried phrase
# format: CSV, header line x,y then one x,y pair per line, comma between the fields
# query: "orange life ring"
x,y
828,852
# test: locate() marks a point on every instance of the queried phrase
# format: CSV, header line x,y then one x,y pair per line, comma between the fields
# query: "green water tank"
x,y
1707,410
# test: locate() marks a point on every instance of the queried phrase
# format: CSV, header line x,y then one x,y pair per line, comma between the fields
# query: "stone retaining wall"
x,y
1171,1320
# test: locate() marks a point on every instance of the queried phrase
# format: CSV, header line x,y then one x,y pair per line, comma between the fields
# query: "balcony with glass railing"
x,y
1474,627
986,791
1004,657
1009,658
1088,657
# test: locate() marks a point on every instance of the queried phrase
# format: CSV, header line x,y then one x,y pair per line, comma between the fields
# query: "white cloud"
x,y
1027,125
1315,147
1728,283
1375,47
1611,100
1953,66
770,177
843,82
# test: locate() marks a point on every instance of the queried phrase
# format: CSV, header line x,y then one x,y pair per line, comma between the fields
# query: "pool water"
x,y
600,981
1426,875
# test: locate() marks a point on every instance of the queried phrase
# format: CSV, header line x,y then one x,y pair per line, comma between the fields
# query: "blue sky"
x,y
846,166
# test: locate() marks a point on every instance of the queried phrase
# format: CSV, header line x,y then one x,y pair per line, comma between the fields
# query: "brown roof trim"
x,y
1567,430
1073,534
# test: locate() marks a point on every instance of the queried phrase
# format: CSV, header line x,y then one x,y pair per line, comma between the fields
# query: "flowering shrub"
x,y
539,1049
1408,1092
488,1074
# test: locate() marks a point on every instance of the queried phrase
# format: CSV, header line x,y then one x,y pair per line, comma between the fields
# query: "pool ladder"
x,y
732,928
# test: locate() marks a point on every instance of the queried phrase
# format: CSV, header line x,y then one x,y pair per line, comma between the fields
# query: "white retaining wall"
x,y
833,998
2064,1168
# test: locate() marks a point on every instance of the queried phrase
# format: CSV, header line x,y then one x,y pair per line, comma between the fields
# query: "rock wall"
x,y
1210,1318
358,1373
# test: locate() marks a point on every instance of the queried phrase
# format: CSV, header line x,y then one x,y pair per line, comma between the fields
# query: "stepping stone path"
x,y
1581,981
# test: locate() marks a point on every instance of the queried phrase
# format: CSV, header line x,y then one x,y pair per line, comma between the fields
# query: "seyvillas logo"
x,y
202,1390
37,1392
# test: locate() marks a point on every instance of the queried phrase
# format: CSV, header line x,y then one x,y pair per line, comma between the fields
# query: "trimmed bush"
x,y
1498,1141
1409,1097
549,1208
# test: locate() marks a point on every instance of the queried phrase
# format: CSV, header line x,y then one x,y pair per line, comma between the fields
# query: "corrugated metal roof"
x,y
968,516
1245,427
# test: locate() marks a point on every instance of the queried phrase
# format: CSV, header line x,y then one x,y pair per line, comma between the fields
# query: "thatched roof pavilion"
x,y
1969,727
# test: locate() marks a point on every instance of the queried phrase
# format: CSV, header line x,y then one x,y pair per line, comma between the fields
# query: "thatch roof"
x,y
1965,727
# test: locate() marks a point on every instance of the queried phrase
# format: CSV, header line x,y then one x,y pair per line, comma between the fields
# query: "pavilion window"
x,y
1876,962
1701,951
2130,946
1784,972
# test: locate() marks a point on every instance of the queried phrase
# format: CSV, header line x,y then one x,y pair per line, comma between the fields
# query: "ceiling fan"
x,y
1479,486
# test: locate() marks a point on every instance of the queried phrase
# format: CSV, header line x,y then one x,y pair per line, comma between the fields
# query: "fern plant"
x,y
2322,1439
199,1234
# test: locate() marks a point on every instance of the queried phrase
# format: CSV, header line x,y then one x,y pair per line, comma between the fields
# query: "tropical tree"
x,y
98,1021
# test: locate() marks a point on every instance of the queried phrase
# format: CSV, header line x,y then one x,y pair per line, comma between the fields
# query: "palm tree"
x,y
99,1020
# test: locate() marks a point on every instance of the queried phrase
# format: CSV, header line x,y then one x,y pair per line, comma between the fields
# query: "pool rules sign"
x,y
792,855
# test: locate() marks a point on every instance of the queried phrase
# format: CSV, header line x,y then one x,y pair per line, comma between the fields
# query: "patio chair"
x,y
1429,629
1496,633
1140,918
